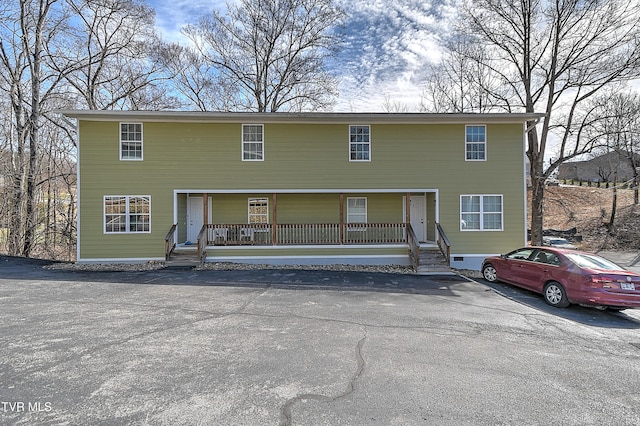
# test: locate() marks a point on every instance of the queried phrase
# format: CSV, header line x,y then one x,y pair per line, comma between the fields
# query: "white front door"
x,y
195,217
418,216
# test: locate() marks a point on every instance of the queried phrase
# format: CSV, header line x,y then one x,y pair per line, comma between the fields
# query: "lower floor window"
x,y
481,213
357,210
258,210
125,214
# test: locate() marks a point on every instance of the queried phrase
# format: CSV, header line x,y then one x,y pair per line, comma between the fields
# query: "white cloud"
x,y
387,48
172,15
387,45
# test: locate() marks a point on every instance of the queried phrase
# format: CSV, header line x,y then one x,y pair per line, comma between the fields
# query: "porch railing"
x,y
443,242
305,234
202,245
170,242
414,248
239,234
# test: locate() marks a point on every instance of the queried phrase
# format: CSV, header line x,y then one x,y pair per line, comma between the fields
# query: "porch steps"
x,y
183,259
432,261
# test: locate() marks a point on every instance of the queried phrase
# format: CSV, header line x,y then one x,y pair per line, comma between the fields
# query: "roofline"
x,y
299,117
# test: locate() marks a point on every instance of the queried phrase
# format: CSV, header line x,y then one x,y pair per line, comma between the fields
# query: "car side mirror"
x,y
504,256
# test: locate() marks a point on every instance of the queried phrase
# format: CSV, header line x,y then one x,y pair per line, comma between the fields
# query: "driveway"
x,y
304,348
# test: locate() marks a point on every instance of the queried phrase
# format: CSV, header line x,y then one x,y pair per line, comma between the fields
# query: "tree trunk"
x,y
537,218
614,204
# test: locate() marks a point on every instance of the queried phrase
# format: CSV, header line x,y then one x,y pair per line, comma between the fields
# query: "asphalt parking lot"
x,y
295,347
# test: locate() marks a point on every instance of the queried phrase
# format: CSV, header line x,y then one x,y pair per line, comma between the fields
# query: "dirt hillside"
x,y
588,209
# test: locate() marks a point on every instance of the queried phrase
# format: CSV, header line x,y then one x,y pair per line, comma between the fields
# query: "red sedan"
x,y
566,276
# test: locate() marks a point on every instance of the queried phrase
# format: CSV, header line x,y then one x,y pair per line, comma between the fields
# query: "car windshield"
x,y
521,254
559,241
592,261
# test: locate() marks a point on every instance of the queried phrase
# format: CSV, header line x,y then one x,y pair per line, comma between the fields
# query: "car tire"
x,y
555,295
489,273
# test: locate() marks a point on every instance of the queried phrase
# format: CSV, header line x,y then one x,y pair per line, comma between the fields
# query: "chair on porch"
x,y
220,233
247,234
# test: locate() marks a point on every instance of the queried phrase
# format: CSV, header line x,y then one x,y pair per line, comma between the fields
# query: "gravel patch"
x,y
228,266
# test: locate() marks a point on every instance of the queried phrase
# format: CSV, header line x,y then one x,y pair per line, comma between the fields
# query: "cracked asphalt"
x,y
288,347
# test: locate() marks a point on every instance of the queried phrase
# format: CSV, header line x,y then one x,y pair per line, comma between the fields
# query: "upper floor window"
x,y
252,142
126,214
359,143
131,141
476,143
481,213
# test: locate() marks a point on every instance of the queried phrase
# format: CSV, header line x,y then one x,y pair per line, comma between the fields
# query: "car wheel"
x,y
489,273
555,295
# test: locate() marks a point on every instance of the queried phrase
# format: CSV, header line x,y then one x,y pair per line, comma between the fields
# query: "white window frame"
x,y
256,200
364,143
470,143
350,213
261,143
481,213
128,214
141,141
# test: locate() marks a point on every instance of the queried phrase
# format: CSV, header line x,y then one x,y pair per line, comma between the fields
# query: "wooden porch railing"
x,y
305,234
313,233
443,242
170,242
374,233
202,244
414,248
239,234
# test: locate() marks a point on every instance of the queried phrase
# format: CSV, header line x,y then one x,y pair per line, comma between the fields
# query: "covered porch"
x,y
286,224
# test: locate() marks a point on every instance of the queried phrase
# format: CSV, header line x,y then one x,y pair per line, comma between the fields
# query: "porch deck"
x,y
303,238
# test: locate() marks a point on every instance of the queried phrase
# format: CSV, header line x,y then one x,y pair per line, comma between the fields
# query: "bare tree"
x,y
461,81
620,112
195,79
28,25
271,53
108,56
553,56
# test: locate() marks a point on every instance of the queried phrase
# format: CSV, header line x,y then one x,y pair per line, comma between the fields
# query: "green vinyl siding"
x,y
308,208
298,157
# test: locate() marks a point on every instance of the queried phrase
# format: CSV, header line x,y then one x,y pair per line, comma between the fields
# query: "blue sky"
x,y
387,46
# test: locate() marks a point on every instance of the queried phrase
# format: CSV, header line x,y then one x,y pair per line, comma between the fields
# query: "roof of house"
x,y
301,117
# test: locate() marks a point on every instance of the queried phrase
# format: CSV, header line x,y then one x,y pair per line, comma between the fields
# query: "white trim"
x,y
242,142
351,160
524,169
317,260
141,141
304,117
366,209
471,261
78,192
486,154
482,212
304,191
188,207
258,199
126,260
127,215
425,228
310,246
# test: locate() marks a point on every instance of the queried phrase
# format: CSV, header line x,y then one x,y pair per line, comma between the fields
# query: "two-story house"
x,y
299,188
